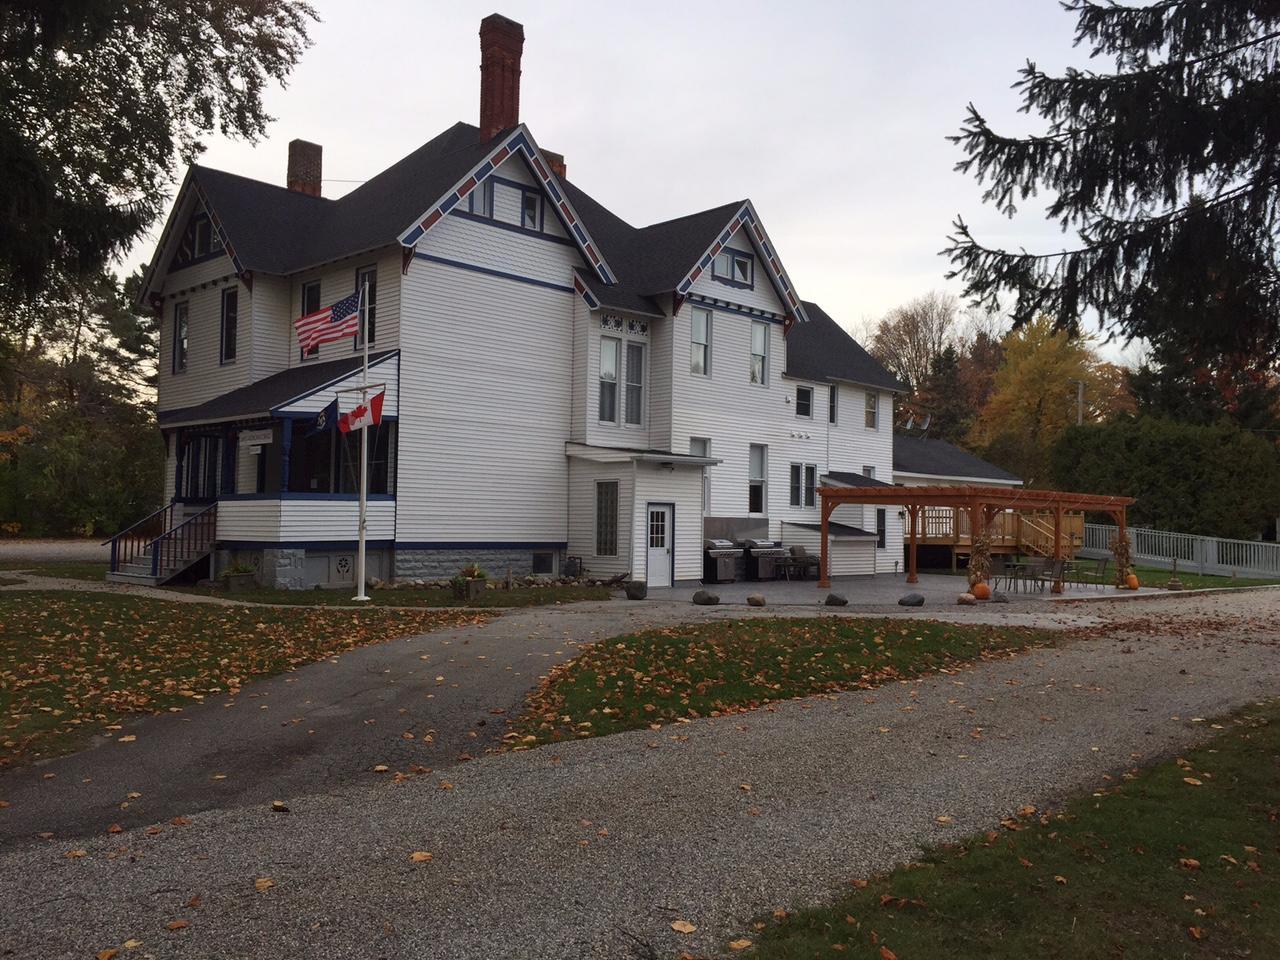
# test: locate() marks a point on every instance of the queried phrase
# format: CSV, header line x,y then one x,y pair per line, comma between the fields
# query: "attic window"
x,y
531,211
199,240
734,266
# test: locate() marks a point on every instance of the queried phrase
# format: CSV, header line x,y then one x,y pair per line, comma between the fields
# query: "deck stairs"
x,y
159,547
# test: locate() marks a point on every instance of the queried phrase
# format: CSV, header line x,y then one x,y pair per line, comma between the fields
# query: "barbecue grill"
x,y
718,558
763,557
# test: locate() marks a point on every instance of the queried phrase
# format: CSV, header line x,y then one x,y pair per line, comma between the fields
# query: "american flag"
x,y
330,324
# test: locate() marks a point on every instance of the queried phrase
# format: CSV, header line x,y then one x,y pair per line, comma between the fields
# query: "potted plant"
x,y
469,584
238,578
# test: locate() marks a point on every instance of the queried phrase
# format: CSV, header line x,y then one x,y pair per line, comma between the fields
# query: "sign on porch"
x,y
256,438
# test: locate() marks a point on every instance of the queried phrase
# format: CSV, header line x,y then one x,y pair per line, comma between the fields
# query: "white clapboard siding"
x,y
386,370
484,404
317,520
246,471
205,377
761,296
661,339
275,347
508,201
583,320
338,280
682,488
853,446
848,557
583,476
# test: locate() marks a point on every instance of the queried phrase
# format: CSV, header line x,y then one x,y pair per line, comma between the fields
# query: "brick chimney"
x,y
501,43
304,167
556,160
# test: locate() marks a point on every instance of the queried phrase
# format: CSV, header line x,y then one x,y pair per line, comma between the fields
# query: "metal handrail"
x,y
203,525
133,526
134,543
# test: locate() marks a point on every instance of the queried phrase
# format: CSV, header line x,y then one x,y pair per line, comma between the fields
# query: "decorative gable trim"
x,y
519,143
587,296
747,219
178,218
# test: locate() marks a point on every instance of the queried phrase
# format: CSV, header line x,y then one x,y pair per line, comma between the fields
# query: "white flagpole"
x,y
364,445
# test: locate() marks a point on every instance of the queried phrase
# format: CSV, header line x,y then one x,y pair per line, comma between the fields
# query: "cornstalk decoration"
x,y
980,560
1123,554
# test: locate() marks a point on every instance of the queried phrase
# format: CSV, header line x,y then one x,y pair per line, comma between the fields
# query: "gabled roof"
x,y
849,479
937,458
258,399
822,350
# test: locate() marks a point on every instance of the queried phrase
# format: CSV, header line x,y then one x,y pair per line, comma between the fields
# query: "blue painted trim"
x,y
282,415
719,307
325,386
483,545
413,236
513,228
223,359
493,273
291,495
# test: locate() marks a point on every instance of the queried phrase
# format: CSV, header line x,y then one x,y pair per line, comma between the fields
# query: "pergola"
x,y
982,504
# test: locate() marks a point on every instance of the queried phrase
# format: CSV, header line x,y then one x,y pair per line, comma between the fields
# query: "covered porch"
x,y
1049,512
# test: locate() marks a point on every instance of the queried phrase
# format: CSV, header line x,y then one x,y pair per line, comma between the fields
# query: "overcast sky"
x,y
830,116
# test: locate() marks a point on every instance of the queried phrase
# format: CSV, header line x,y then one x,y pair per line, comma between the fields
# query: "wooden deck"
x,y
1010,531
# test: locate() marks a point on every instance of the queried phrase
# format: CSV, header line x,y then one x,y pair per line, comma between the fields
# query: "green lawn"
x,y
74,664
708,669
1151,577
518,597
1179,861
70,569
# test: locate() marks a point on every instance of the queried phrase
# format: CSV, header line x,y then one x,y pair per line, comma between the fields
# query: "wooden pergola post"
x,y
1057,547
913,518
824,579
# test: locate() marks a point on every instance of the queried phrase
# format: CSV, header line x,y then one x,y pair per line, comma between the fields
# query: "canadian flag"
x,y
364,415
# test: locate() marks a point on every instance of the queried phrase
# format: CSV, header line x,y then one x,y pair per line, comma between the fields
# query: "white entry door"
x,y
660,540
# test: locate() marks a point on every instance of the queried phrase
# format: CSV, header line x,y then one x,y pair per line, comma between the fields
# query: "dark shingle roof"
x,y
258,399
836,529
854,479
276,230
822,350
939,458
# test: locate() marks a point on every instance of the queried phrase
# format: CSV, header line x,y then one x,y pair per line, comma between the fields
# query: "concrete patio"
x,y
876,591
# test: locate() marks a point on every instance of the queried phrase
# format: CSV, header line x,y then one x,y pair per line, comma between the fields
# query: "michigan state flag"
x,y
327,419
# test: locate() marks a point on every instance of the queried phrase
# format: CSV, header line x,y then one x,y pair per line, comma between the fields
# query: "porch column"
x,y
180,454
286,442
1057,547
824,580
913,517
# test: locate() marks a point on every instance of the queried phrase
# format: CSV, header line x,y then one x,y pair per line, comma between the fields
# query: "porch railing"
x,y
188,541
1194,554
132,542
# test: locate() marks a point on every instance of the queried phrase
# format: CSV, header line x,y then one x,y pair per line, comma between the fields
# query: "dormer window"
x,y
735,267
480,199
531,211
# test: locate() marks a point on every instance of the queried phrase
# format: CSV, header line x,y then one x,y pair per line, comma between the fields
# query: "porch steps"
x,y
180,537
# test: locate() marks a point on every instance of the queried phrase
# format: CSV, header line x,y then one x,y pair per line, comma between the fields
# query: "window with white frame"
x,y
804,402
701,447
833,402
804,484
734,266
369,276
228,337
635,383
700,342
480,199
869,472
531,210
759,351
610,348
310,304
882,533
757,478
873,411
606,518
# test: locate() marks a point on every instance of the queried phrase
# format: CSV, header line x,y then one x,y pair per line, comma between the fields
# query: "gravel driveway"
x,y
562,852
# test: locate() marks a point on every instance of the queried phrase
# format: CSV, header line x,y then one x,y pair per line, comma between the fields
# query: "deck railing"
x,y
1194,554
192,538
132,542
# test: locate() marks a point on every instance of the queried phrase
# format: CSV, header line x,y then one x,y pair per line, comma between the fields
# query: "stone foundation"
x,y
442,564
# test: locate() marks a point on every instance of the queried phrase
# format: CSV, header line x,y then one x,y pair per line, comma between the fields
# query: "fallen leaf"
x,y
263,884
128,739
115,828
76,854
1060,879
945,819
682,926
381,768
1193,781
739,944
420,856
107,954
1195,933
887,954
132,944
178,924
1188,863
279,806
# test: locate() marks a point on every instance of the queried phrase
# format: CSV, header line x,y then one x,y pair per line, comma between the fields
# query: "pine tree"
x,y
1167,170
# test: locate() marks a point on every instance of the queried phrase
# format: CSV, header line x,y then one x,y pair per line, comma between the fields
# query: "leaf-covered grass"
x,y
67,569
1151,577
723,667
74,664
1160,866
517,597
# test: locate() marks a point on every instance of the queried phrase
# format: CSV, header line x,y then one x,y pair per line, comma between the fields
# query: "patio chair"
x,y
1031,571
802,561
1000,571
1095,575
1051,573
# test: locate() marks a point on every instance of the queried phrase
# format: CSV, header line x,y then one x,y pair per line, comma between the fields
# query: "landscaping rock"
x,y
911,600
835,600
967,600
998,597
636,589
755,600
704,599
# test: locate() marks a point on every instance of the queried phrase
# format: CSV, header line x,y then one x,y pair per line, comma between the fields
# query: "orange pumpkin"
x,y
981,590
1131,581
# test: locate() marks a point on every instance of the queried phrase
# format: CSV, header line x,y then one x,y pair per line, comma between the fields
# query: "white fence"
x,y
1212,555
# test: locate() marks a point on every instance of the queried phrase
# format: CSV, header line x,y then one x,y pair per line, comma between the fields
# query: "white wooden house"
x,y
560,383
